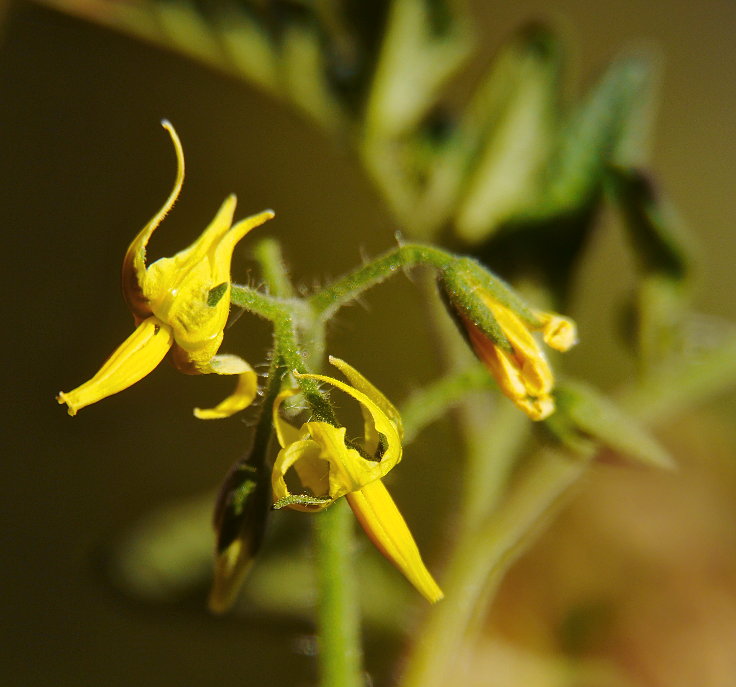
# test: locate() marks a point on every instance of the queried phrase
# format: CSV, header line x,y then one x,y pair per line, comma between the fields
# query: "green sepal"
x,y
460,286
301,500
462,301
216,293
584,416
241,514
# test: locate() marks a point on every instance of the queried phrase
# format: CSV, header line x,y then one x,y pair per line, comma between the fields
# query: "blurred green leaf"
x,y
584,415
608,127
507,132
424,45
663,253
545,238
658,237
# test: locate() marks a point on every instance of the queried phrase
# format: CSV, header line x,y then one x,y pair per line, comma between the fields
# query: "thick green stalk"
x,y
338,622
338,616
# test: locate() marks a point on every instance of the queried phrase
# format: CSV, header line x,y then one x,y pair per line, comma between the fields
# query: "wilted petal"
x,y
245,390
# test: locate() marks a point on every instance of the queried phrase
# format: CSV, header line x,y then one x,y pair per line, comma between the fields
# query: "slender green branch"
x,y
346,289
257,302
431,402
284,314
275,274
490,463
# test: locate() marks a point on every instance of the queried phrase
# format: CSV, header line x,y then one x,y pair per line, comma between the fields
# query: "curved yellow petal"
x,y
191,290
387,529
305,456
559,332
245,390
134,262
348,470
523,375
140,353
359,382
285,433
383,425
223,251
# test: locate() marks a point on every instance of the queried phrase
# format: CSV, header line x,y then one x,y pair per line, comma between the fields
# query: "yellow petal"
x,y
245,390
134,263
387,529
231,568
179,288
381,421
359,382
348,470
326,467
285,433
559,332
140,353
305,456
224,249
523,373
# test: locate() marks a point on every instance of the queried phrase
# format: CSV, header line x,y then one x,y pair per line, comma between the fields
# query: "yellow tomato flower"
x,y
180,305
519,364
327,467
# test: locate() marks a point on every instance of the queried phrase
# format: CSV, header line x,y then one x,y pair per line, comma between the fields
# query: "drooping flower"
x,y
180,306
500,326
325,466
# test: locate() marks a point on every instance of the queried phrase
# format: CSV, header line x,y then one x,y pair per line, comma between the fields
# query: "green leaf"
x,y
424,45
608,127
658,237
663,253
584,415
508,132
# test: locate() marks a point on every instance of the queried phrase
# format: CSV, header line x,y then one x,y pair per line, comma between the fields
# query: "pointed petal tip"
x,y
232,566
434,595
245,391
62,399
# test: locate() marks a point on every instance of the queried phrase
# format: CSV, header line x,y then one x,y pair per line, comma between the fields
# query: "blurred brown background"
x,y
84,163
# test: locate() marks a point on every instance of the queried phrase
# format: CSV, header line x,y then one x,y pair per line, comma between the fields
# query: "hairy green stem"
x,y
298,338
346,289
275,274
